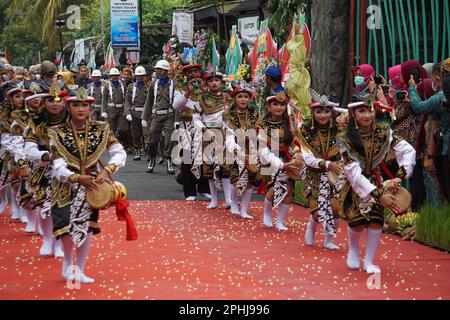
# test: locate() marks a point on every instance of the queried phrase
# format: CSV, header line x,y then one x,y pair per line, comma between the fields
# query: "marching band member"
x,y
77,146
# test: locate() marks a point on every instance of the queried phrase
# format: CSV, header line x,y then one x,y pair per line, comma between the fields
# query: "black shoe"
x,y
137,155
170,169
151,166
161,160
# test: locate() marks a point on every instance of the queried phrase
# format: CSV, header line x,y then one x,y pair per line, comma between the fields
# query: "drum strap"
x,y
386,170
122,212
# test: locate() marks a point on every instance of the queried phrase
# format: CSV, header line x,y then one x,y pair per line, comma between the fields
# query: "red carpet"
x,y
187,252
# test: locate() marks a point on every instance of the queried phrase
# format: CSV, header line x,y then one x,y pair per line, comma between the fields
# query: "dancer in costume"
x,y
37,150
362,193
209,118
20,124
190,140
239,121
279,138
321,156
77,146
16,98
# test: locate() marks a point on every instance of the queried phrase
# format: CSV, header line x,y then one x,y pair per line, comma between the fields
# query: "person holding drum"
x,y
322,159
362,193
239,121
77,147
278,164
37,150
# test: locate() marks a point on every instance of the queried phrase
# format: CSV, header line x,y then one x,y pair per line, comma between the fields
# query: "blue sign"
x,y
124,23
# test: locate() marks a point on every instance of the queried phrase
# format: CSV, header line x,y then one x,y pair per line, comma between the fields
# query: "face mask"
x,y
359,81
38,77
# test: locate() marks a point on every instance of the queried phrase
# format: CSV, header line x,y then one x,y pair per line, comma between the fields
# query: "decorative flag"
x,y
264,46
284,56
234,53
215,56
110,62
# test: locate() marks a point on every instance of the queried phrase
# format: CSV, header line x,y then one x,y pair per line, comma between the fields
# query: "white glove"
x,y
129,117
104,115
144,124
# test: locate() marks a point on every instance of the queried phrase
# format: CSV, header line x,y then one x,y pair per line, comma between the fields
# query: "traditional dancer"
x,y
77,147
5,156
209,118
20,124
321,156
37,150
240,120
16,97
189,139
279,138
364,146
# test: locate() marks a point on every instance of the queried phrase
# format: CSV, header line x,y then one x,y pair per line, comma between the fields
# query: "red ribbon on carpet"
x,y
123,215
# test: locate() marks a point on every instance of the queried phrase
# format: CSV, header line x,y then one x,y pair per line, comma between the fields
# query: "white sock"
x,y
15,209
310,231
31,225
246,197
213,189
283,210
59,253
82,254
234,201
23,215
3,199
353,248
227,191
47,229
328,239
267,213
372,241
40,231
67,245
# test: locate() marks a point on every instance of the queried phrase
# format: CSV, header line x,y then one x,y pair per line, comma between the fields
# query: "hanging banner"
x,y
248,27
78,52
183,26
124,23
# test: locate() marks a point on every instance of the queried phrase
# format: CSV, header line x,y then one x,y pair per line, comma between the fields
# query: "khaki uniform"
x,y
97,93
134,105
159,113
113,104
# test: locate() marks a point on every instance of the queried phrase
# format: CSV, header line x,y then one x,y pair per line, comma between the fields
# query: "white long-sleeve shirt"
x,y
405,155
33,153
116,152
311,161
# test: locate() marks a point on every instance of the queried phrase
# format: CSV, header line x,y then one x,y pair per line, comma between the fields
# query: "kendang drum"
x,y
104,197
404,199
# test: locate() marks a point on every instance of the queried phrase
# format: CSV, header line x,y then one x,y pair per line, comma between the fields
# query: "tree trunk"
x,y
330,27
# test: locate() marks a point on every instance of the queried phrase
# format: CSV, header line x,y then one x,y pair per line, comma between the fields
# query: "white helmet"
x,y
162,64
96,73
140,71
114,72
